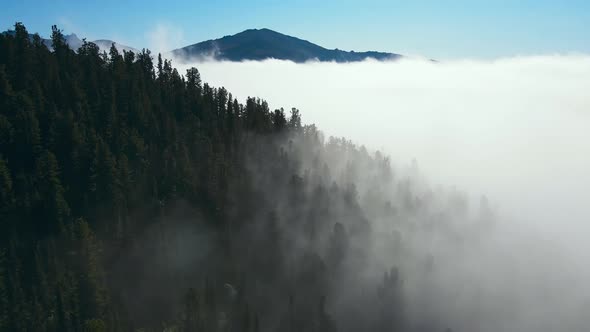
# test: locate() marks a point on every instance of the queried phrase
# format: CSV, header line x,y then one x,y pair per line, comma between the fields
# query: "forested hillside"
x,y
134,197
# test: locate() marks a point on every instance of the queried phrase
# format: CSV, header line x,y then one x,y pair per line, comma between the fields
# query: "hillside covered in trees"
x,y
137,198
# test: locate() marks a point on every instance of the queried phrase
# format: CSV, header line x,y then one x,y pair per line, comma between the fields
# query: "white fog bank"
x,y
514,129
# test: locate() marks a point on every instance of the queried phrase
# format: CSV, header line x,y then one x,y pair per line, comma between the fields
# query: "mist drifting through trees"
x,y
514,130
134,196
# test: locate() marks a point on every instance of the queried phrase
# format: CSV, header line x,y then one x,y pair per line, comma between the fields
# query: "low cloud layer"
x,y
515,129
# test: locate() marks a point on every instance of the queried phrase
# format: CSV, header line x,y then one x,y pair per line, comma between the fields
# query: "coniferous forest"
x,y
137,198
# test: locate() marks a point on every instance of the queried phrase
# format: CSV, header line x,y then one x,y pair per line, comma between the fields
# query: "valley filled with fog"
x,y
512,134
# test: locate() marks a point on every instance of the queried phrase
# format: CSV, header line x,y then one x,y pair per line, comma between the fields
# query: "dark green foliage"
x,y
6,191
4,302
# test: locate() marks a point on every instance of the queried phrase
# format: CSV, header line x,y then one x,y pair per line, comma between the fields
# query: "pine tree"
x,y
103,177
192,321
22,65
92,298
6,191
278,120
4,303
295,119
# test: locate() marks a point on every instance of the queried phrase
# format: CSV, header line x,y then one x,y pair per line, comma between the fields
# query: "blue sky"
x,y
442,29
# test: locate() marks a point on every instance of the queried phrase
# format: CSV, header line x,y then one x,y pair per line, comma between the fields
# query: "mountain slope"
x,y
105,44
260,44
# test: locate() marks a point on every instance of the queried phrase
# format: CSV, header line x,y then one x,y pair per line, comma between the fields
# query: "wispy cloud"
x,y
165,37
68,26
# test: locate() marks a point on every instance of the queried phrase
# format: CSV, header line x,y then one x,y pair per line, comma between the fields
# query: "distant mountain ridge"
x,y
261,44
74,42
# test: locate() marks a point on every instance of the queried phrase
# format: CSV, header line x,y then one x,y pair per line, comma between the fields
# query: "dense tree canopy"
x,y
133,197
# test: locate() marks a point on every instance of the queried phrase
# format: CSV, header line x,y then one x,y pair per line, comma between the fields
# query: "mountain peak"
x,y
264,43
260,30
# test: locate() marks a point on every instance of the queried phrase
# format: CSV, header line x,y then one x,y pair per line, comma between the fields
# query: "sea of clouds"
x,y
515,129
